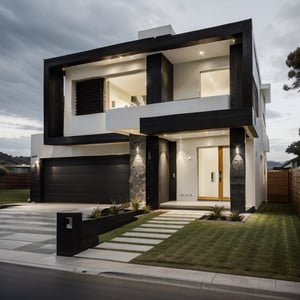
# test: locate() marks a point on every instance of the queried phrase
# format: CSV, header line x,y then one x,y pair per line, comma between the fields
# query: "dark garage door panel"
x,y
101,179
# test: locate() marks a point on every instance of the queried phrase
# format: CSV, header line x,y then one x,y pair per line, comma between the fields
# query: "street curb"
x,y
201,285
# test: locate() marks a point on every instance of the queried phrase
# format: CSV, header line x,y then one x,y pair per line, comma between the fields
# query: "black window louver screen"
x,y
89,96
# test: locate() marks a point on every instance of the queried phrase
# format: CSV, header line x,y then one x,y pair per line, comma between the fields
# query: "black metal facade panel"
x,y
197,121
97,179
159,79
166,42
236,78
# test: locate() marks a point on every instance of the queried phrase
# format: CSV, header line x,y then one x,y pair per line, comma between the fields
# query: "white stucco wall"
x,y
121,119
39,150
187,76
187,164
92,123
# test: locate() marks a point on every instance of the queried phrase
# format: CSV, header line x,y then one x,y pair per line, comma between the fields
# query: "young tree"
x,y
3,171
294,148
293,62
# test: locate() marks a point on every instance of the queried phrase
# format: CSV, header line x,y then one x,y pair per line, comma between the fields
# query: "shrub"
x,y
114,209
216,212
125,205
96,213
146,209
135,204
3,171
235,216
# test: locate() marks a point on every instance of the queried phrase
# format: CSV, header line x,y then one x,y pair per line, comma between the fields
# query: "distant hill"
x,y
271,164
6,159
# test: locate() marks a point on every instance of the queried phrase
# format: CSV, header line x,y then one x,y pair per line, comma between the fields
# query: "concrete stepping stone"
x,y
168,222
120,256
155,230
137,240
162,226
123,246
147,235
174,219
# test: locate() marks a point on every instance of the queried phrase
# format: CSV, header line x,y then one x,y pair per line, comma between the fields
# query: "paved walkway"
x,y
142,238
27,237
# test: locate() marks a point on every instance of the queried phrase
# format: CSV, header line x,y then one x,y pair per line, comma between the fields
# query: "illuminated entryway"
x,y
213,173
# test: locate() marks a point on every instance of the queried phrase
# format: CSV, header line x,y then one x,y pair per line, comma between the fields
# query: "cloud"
x,y
15,146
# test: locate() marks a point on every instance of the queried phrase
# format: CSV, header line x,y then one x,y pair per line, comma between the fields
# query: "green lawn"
x,y
267,245
13,196
105,237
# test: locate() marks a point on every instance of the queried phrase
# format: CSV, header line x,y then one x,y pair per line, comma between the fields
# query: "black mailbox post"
x,y
68,234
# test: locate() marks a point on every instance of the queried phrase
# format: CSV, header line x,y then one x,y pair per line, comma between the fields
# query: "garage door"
x,y
101,179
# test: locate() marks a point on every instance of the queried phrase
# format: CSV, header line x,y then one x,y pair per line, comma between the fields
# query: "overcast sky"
x,y
32,30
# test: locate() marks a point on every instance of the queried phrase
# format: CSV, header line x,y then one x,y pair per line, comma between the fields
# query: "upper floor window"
x,y
126,90
89,96
214,83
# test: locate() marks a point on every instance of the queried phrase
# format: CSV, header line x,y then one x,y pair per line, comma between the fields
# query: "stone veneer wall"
x,y
137,179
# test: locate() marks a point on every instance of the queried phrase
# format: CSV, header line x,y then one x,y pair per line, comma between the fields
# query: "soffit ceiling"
x,y
175,56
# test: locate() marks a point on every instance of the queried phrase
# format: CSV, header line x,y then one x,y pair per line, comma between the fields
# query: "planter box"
x,y
83,234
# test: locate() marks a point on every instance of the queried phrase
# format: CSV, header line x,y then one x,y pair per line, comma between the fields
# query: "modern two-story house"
x,y
165,117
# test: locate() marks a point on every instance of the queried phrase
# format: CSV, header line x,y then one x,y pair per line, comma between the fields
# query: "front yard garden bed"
x,y
267,245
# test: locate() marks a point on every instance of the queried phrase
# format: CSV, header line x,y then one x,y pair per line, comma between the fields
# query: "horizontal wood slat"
x,y
15,181
89,96
278,186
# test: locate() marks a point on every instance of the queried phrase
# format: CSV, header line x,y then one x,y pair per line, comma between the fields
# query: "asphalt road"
x,y
22,283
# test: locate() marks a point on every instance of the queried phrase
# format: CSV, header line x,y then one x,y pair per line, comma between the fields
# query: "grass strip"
x,y
105,237
13,196
267,245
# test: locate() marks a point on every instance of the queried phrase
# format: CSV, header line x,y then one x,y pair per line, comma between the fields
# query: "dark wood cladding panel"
x,y
167,82
173,168
53,102
87,139
152,164
236,78
197,121
101,179
154,78
247,42
159,79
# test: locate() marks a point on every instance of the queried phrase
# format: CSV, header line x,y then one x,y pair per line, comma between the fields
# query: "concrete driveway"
x,y
32,227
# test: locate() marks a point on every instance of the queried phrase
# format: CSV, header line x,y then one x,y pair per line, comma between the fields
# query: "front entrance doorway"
x,y
214,173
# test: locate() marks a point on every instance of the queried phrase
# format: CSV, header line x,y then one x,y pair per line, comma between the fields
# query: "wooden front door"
x,y
214,173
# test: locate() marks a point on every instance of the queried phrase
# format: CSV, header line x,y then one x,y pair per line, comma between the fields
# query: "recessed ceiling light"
x,y
233,41
201,53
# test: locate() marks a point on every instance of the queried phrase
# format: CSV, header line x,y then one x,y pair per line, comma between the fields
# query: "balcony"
x,y
127,120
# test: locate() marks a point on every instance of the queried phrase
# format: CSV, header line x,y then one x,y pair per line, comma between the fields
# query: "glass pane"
x,y
214,83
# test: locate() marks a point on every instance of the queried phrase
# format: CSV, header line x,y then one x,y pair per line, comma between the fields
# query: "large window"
x,y
214,83
126,90
89,96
